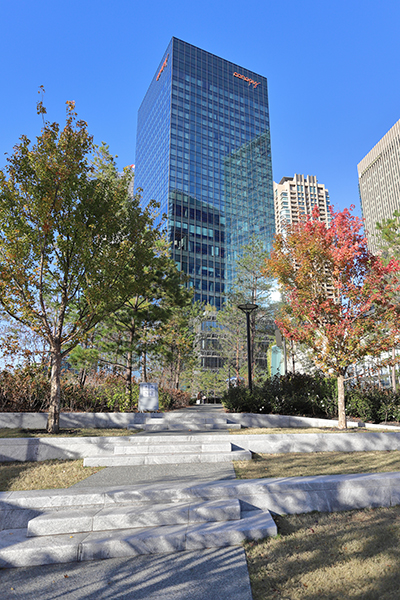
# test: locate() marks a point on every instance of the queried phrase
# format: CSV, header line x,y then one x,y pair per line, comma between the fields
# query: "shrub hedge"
x,y
28,390
313,396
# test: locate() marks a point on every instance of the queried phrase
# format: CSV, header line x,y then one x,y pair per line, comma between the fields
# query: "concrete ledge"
x,y
126,420
284,496
17,550
128,517
165,459
32,449
280,443
256,498
284,421
178,447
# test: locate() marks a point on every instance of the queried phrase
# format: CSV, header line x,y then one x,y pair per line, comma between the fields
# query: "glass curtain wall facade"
x,y
204,152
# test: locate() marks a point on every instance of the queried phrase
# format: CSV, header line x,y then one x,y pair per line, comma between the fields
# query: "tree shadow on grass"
x,y
353,554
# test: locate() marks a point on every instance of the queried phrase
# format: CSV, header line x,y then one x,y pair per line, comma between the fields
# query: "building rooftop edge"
x,y
376,150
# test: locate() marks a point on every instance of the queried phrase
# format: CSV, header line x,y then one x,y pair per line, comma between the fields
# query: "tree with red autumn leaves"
x,y
340,300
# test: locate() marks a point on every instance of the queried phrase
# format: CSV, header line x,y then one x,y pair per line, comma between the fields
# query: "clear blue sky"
x,y
333,70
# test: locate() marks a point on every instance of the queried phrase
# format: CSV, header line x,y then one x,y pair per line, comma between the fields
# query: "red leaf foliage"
x,y
341,301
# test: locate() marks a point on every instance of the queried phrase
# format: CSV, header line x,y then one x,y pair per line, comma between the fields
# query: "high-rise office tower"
x,y
297,196
203,151
379,183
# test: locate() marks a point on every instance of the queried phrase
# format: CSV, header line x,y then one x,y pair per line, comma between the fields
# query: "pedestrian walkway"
x,y
211,574
205,573
144,474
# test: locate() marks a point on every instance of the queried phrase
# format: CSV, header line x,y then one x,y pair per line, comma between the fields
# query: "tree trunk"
x,y
144,356
144,366
394,383
128,371
82,377
293,356
53,421
178,371
341,405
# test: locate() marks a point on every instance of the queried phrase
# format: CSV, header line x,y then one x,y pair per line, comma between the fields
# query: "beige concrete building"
x,y
297,196
379,183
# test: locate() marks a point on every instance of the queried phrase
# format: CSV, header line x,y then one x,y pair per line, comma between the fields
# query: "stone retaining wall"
x,y
31,449
121,420
291,495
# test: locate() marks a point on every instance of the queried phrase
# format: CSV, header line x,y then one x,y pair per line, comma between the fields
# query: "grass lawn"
x,y
271,430
66,432
297,464
345,555
46,475
49,474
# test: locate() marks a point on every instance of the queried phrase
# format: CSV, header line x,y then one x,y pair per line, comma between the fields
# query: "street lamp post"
x,y
248,309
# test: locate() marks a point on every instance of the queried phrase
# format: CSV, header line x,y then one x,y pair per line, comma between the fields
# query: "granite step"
x,y
175,448
158,459
186,426
18,550
171,448
171,438
182,422
129,517
188,418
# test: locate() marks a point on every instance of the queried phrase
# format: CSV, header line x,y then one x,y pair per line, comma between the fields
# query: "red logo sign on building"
x,y
250,81
162,67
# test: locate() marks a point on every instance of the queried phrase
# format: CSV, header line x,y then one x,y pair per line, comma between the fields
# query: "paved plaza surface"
x,y
143,474
212,574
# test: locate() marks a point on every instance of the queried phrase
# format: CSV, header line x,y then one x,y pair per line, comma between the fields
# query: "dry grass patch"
x,y
353,555
65,432
46,475
297,464
271,430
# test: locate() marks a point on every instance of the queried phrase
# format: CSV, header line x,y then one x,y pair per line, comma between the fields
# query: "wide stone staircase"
x,y
71,525
60,526
166,449
185,420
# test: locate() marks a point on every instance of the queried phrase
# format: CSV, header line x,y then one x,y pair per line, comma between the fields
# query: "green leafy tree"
x,y
232,339
389,230
73,244
253,285
132,330
174,349
390,237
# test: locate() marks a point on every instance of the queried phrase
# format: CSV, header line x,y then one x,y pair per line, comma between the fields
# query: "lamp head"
x,y
248,307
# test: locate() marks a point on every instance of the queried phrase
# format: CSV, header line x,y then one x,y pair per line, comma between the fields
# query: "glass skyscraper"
x,y
203,151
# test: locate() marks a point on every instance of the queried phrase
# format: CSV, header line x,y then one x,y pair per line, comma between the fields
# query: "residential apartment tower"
x,y
297,196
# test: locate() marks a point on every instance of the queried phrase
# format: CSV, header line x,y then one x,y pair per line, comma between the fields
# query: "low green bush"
x,y
240,399
303,394
291,394
314,396
372,403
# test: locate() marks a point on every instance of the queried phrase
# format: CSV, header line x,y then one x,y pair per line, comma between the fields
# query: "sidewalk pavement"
x,y
209,574
171,473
